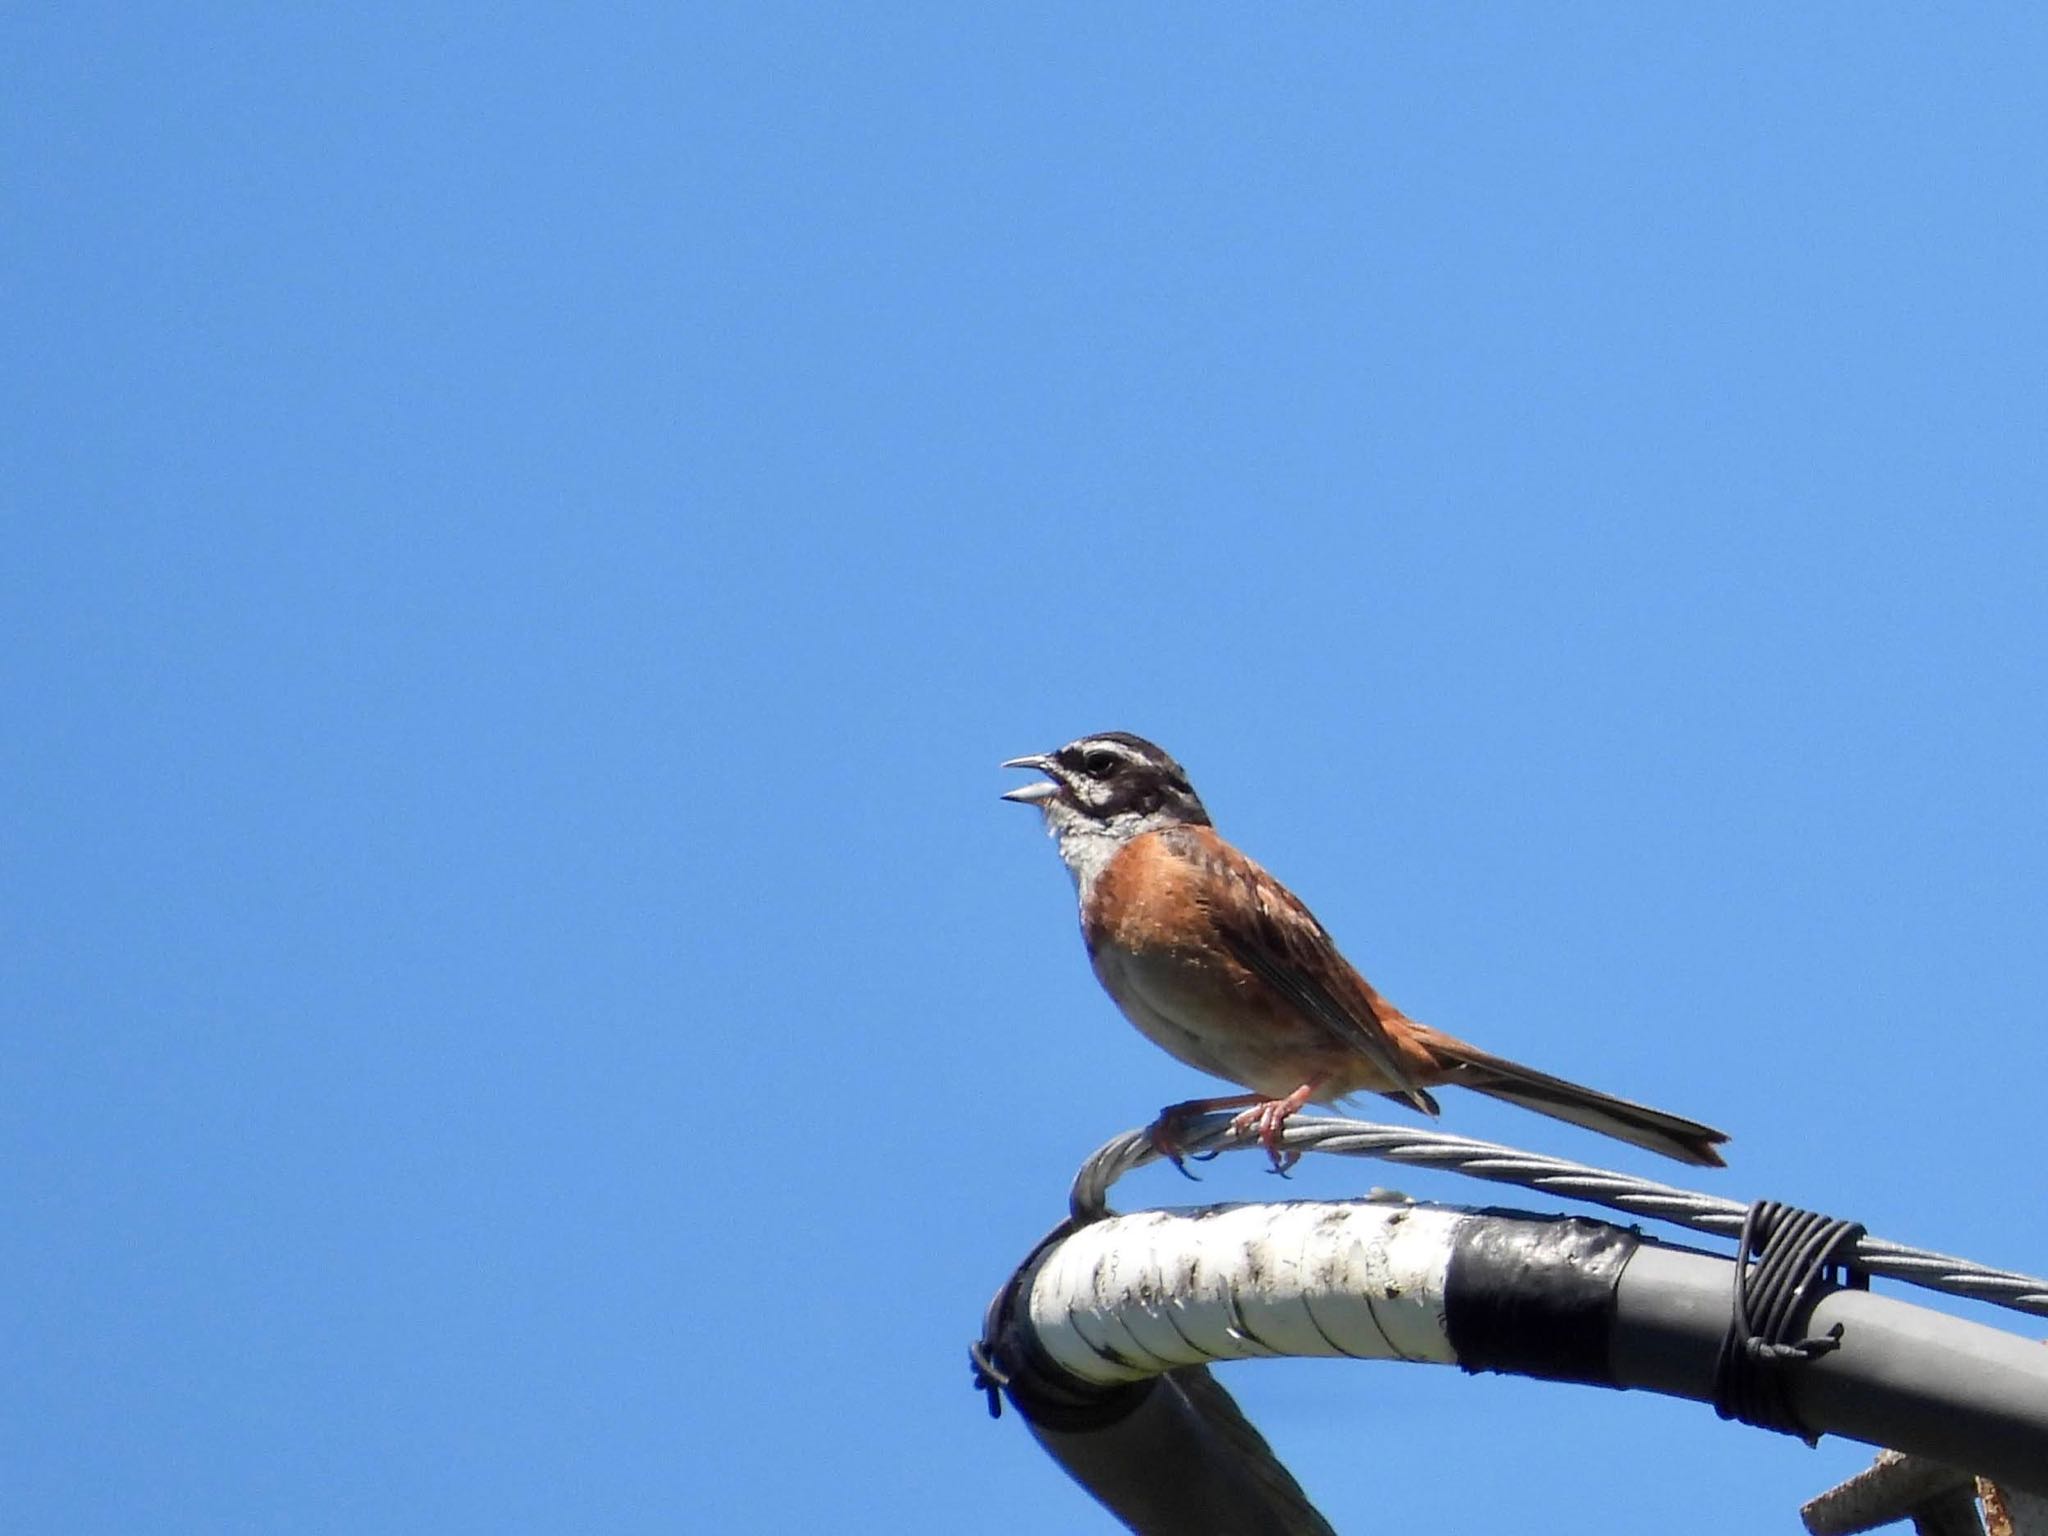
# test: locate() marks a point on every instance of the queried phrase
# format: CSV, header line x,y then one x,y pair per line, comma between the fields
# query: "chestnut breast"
x,y
1151,918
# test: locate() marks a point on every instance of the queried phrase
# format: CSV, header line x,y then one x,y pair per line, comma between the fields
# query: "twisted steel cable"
x,y
1712,1214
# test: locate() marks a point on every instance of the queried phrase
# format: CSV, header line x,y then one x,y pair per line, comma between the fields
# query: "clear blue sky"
x,y
530,531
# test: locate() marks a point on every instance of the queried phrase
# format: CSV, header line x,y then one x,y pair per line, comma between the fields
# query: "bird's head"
x,y
1111,785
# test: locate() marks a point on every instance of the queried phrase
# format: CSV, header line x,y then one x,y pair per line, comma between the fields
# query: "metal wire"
x,y
1687,1208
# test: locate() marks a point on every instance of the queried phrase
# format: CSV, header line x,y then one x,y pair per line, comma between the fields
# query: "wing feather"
x,y
1278,939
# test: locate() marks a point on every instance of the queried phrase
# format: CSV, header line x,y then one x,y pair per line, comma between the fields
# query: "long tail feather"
x,y
1497,1078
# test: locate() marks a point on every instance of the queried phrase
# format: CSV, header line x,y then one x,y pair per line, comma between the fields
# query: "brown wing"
x,y
1278,939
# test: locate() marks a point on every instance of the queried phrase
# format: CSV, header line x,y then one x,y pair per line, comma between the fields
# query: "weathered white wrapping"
x,y
1134,1295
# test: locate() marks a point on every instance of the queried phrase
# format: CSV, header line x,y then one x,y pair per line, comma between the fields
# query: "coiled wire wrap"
x,y
1793,1251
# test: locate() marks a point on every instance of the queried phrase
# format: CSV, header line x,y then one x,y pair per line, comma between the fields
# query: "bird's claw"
x,y
1266,1123
1164,1135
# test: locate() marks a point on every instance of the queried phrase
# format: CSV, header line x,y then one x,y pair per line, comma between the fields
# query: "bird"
x,y
1222,966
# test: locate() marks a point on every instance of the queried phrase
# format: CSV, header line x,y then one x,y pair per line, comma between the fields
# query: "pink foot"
x,y
1267,1118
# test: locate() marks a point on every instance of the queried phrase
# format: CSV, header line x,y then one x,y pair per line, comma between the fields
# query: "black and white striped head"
x,y
1112,784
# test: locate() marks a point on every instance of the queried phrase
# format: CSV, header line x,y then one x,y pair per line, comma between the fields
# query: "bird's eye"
x,y
1101,765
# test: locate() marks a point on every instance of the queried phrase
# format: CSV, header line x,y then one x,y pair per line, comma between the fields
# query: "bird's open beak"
x,y
1032,794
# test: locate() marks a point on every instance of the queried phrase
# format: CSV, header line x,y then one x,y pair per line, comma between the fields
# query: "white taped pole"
x,y
1102,1310
1124,1299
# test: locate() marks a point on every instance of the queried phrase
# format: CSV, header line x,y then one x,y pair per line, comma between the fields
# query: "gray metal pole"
x,y
1183,1461
1905,1377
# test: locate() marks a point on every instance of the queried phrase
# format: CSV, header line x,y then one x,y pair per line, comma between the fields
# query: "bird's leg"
x,y
1267,1118
1167,1131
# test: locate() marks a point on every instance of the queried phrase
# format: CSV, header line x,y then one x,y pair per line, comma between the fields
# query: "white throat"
x,y
1087,844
